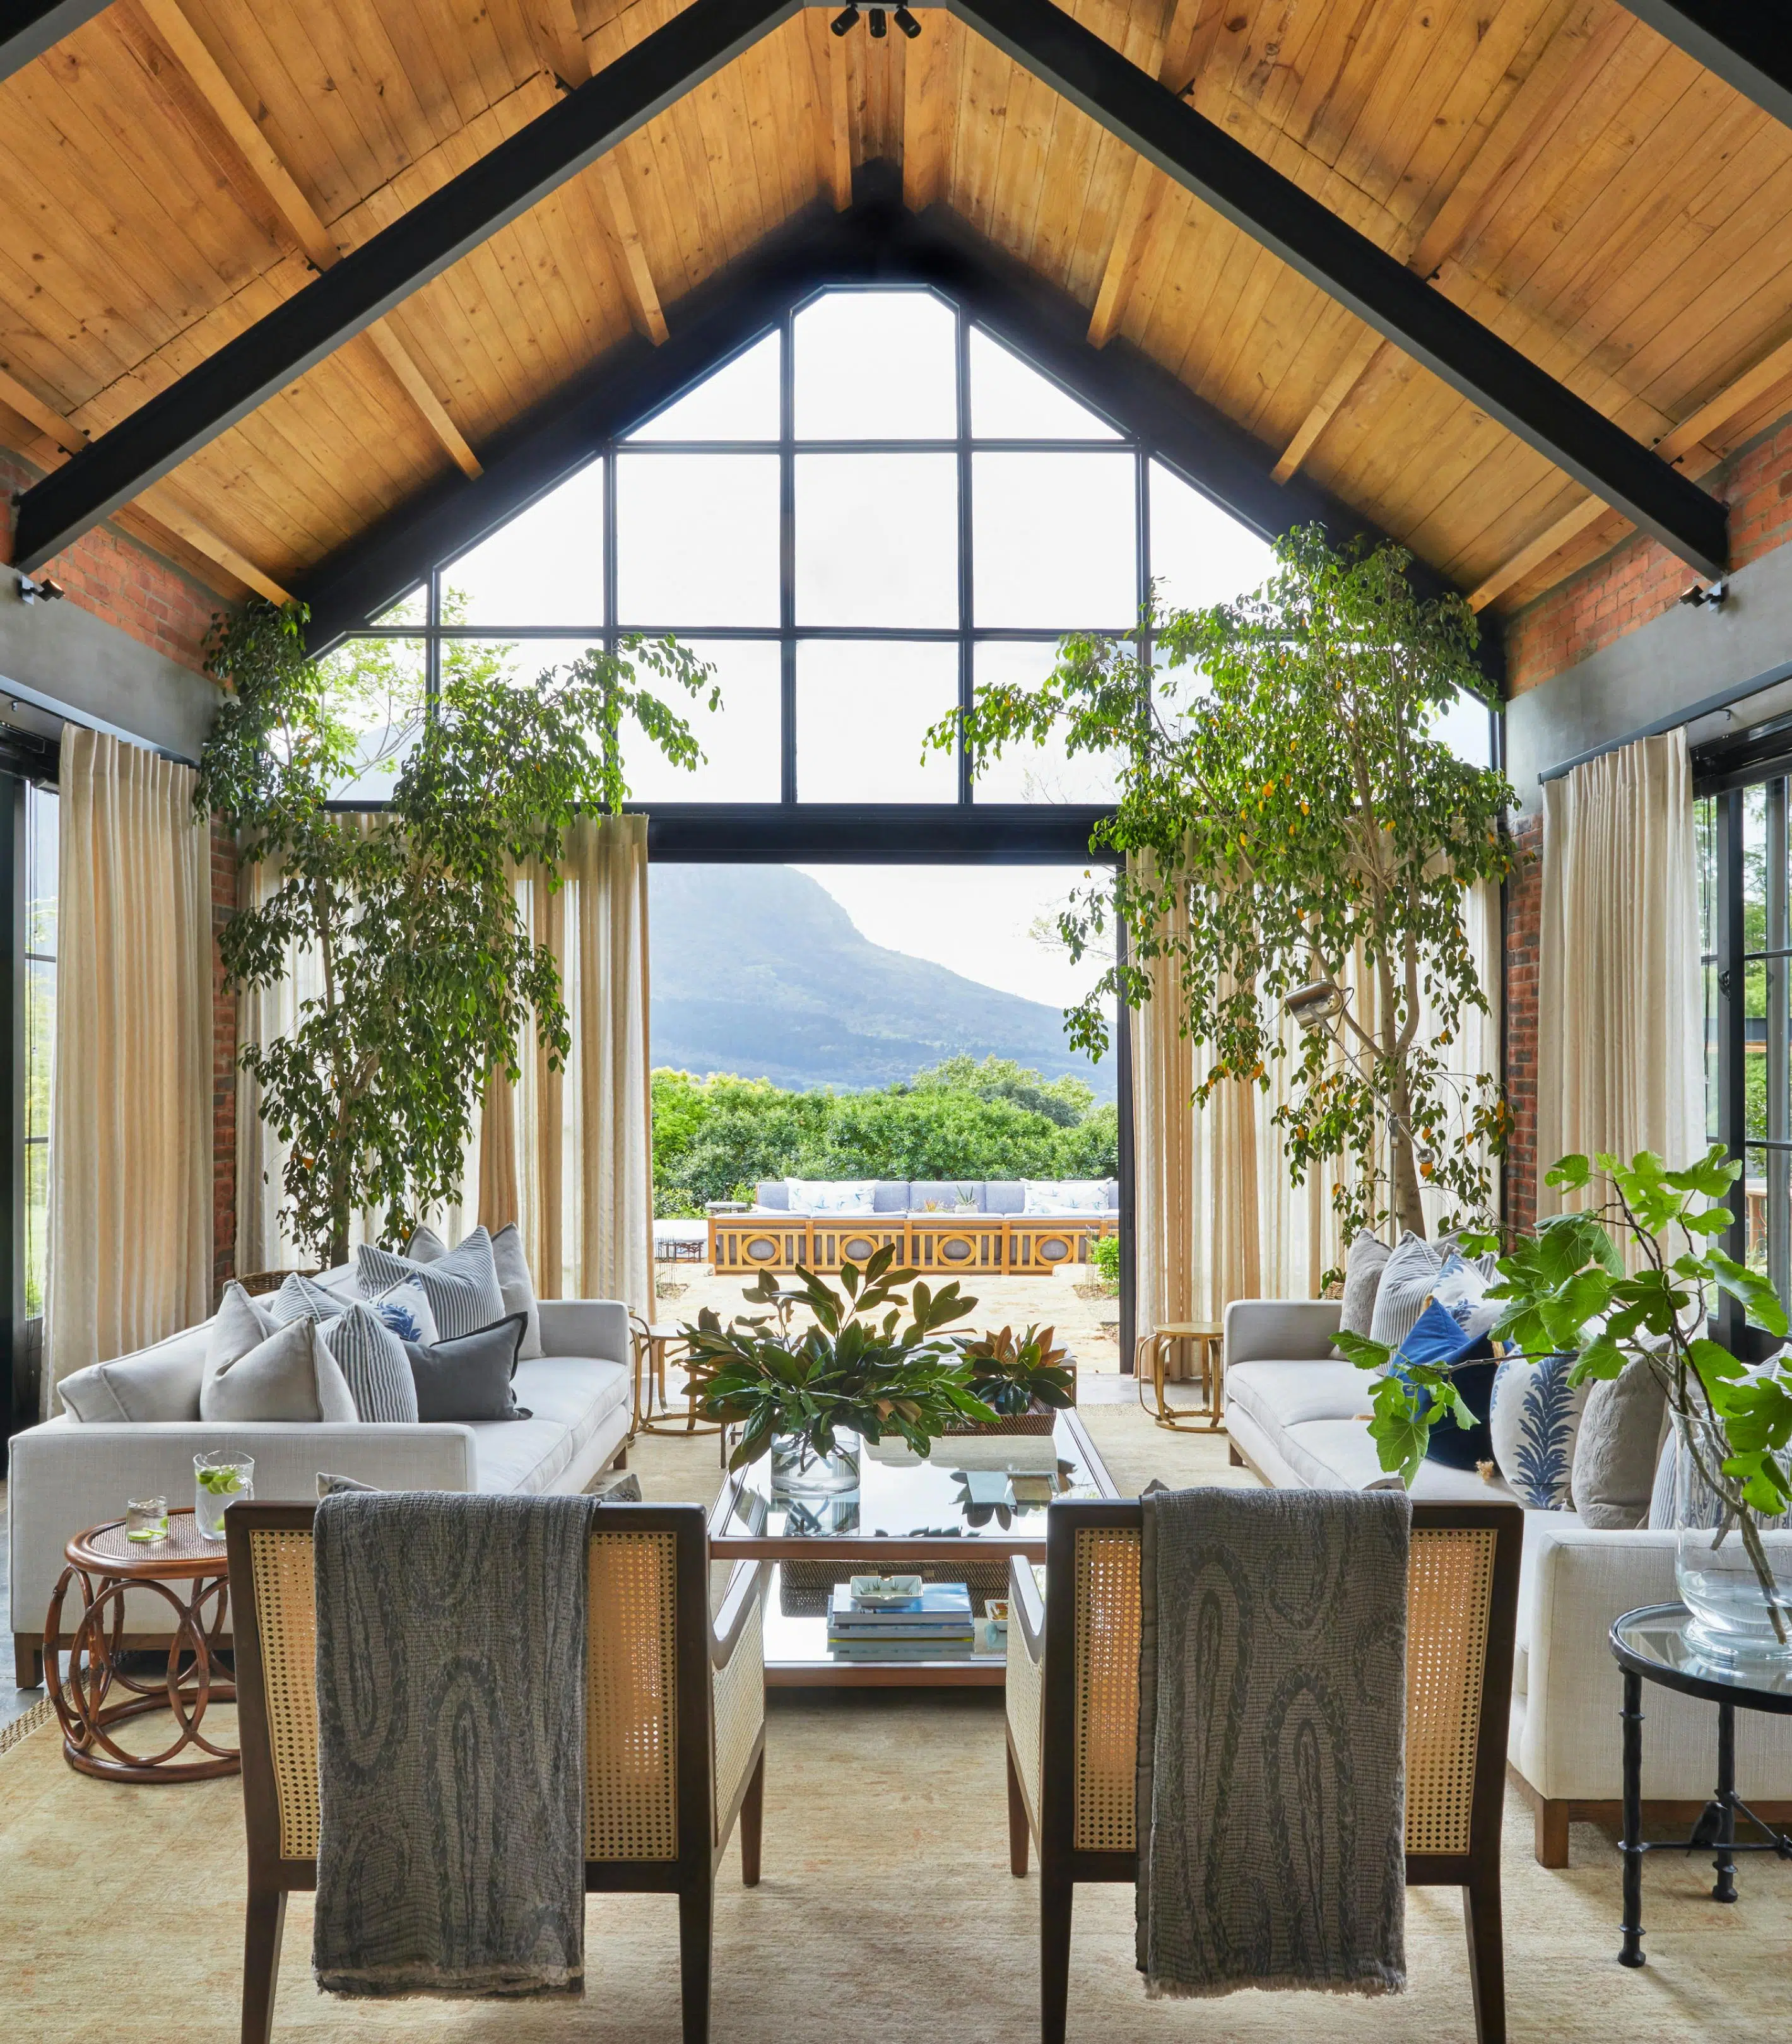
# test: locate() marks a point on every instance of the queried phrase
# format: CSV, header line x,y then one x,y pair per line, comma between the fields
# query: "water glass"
x,y
146,1519
219,1478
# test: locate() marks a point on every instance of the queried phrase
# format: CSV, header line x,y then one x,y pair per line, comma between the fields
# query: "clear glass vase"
x,y
1733,1613
800,1469
219,1478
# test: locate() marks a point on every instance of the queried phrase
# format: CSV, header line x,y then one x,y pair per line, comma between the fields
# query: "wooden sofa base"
x,y
1552,1816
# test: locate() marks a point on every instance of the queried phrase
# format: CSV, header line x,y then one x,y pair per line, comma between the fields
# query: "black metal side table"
x,y
1653,1645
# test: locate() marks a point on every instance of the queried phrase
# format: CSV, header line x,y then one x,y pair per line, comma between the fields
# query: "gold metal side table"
x,y
1152,1354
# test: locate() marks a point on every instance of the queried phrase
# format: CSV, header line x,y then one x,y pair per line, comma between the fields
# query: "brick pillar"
x,y
224,1069
1524,923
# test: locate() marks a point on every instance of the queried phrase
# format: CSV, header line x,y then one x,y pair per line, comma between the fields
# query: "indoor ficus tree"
x,y
426,970
1290,819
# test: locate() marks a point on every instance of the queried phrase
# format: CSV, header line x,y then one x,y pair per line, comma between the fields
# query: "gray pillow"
x,y
160,1382
517,1286
462,1287
290,1376
1362,1277
426,1246
299,1298
617,1487
1407,1280
1617,1449
468,1377
331,1486
373,1365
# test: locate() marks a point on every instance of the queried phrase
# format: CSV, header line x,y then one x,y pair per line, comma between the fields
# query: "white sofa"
x,y
1299,1418
65,1476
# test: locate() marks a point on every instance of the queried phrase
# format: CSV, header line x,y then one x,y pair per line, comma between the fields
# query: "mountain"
x,y
757,969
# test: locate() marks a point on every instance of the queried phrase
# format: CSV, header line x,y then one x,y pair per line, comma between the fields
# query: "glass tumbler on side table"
x,y
146,1520
219,1478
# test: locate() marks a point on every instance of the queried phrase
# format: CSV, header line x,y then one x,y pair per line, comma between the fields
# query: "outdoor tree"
x,y
427,971
1291,820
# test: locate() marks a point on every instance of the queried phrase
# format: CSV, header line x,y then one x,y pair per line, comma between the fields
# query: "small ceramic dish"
x,y
872,1591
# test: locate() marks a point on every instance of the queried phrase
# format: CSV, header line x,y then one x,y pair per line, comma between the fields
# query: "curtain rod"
x,y
1707,706
65,713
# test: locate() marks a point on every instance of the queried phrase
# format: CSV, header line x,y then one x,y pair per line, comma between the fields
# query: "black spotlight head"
x,y
907,23
843,20
880,25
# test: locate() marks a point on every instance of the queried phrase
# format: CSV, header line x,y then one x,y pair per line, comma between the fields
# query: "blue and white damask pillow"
x,y
1536,1419
406,1309
1461,1290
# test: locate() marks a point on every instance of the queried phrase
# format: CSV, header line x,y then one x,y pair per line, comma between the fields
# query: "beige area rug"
x,y
885,1904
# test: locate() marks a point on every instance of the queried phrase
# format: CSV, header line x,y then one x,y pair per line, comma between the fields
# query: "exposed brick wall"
x,y
122,581
1640,579
224,1071
1524,906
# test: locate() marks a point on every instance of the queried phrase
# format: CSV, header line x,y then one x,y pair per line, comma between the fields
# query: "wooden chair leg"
x,y
1486,1955
1550,1826
752,1821
1054,1952
261,1961
1017,1829
696,1912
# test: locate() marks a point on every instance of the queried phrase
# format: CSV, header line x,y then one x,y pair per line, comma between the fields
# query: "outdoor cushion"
x,y
774,1193
160,1382
890,1196
1064,1196
1003,1196
831,1196
942,1195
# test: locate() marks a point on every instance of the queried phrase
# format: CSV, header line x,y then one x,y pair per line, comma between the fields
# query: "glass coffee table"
x,y
956,1514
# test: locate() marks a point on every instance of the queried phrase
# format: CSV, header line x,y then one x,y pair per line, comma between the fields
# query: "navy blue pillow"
x,y
1437,1340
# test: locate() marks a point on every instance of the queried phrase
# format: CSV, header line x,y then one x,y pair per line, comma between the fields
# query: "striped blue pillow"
x,y
298,1299
462,1287
373,1360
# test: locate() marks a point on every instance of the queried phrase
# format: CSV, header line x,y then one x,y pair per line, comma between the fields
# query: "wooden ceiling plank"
x,y
296,211
1749,48
923,83
34,26
839,156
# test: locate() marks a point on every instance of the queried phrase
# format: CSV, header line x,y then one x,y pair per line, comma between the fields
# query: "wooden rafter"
x,y
301,216
156,506
1687,444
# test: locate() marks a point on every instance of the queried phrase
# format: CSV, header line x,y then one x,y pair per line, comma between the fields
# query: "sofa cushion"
x,y
831,1196
1004,1196
774,1194
291,1376
1338,1455
160,1382
1407,1281
1283,1394
570,1397
1063,1196
462,1287
518,1287
890,1196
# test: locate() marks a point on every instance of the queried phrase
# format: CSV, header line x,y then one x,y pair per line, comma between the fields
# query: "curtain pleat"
x,y
130,1195
1620,1034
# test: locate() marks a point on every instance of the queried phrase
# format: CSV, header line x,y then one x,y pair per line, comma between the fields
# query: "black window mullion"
x,y
966,588
787,555
1731,1046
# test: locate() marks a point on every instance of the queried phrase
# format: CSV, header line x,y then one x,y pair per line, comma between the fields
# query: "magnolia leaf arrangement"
x,y
1567,1290
851,1372
1015,1375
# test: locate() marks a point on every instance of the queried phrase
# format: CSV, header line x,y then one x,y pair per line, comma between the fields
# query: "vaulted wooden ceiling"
x,y
172,170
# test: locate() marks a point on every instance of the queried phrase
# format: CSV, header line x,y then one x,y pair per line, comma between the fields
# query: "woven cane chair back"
x,y
1449,1599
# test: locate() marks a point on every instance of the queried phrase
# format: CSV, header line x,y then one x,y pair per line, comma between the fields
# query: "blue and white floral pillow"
x,y
406,1309
1536,1418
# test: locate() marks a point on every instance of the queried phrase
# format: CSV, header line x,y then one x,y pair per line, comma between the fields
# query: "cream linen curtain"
x,y
1620,1034
569,1155
1217,1218
130,1195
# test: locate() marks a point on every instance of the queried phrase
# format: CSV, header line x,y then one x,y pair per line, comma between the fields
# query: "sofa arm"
x,y
598,1327
1281,1330
64,1476
1568,1745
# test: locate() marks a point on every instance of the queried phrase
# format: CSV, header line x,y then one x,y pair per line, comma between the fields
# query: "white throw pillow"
x,y
1063,1196
291,1376
406,1310
160,1382
517,1286
831,1196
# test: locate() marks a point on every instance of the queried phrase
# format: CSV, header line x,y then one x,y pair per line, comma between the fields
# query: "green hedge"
x,y
714,1137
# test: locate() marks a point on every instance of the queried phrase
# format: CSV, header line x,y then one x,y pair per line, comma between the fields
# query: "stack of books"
x,y
935,1619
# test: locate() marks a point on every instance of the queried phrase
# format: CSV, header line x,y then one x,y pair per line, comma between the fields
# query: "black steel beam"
x,y
873,833
1748,42
434,234
877,241
1204,160
27,28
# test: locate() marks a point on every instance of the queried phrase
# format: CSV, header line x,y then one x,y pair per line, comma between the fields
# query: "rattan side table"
x,y
1152,1351
107,1567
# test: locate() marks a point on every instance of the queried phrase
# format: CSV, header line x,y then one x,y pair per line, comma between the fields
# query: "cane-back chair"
x,y
675,1725
1073,1721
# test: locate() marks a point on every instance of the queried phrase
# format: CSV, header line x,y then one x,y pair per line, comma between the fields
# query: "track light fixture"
x,y
44,589
843,20
907,23
880,24
1697,598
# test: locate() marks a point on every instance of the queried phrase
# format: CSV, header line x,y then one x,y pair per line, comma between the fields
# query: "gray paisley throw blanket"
x,y
451,1709
1272,1721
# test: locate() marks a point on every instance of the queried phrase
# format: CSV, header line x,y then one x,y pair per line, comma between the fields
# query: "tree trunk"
x,y
1409,1209
339,1246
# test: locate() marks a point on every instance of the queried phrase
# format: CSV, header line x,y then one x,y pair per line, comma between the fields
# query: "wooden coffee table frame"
x,y
106,1578
871,1551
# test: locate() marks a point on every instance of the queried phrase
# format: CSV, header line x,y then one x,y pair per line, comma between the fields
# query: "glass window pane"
x,y
862,709
696,539
739,401
1466,727
43,810
544,567
1037,772
522,662
741,742
876,365
877,540
1199,553
411,609
1011,401
40,1043
37,1226
378,687
1055,540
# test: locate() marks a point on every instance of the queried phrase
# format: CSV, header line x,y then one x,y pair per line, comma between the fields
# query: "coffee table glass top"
x,y
988,1487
